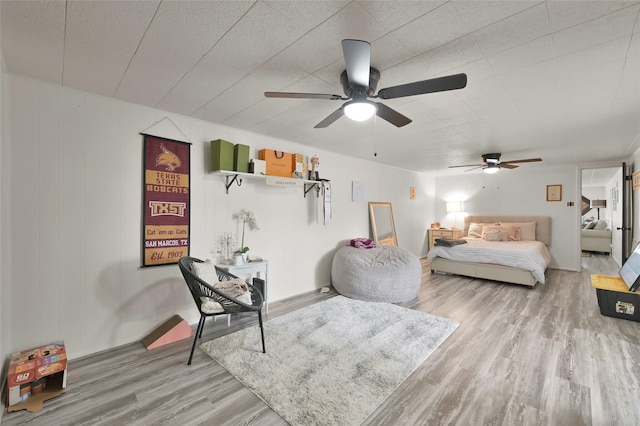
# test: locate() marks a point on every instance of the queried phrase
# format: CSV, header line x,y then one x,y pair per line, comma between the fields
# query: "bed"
x,y
525,261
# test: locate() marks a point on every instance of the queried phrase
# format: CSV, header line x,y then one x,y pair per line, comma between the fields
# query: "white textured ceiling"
x,y
558,80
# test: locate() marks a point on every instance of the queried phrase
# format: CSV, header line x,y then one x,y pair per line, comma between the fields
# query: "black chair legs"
x,y
196,336
264,351
204,319
200,328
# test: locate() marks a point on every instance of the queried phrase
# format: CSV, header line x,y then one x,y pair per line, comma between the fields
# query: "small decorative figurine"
x,y
313,173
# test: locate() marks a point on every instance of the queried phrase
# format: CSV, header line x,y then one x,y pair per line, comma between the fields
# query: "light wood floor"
x,y
542,356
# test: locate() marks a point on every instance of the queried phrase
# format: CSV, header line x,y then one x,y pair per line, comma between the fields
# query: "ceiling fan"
x,y
360,81
491,163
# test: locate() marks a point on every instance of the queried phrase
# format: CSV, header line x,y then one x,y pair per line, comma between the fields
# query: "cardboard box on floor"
x,y
25,367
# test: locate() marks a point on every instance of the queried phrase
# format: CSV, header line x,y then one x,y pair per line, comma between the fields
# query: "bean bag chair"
x,y
381,274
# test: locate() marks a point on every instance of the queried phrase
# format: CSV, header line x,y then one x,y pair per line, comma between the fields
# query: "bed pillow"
x,y
601,225
591,225
492,235
527,229
475,229
514,231
495,233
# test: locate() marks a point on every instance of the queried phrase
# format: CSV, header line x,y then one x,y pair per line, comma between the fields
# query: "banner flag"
x,y
167,199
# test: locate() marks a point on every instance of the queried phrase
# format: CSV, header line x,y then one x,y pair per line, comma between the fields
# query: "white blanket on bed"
x,y
529,255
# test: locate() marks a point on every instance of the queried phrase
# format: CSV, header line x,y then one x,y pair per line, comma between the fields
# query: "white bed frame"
x,y
492,271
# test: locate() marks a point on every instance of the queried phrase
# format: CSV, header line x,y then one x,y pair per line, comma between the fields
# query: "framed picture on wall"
x,y
586,205
636,179
554,192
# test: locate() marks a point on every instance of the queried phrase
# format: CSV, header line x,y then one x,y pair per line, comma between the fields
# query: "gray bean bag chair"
x,y
382,274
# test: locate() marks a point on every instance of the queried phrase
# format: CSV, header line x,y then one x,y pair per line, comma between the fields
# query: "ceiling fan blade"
x,y
391,115
467,165
507,166
302,95
357,57
528,160
330,119
440,84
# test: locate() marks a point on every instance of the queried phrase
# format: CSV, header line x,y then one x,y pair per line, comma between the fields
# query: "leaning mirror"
x,y
382,226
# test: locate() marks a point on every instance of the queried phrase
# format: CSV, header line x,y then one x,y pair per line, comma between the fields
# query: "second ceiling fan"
x,y
360,80
491,163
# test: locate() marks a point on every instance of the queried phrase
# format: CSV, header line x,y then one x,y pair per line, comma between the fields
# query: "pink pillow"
x,y
475,229
514,232
504,233
527,229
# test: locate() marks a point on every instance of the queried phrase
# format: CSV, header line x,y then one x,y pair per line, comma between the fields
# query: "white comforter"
x,y
532,256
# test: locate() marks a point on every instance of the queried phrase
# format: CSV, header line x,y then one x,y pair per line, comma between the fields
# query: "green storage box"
x,y
221,155
241,158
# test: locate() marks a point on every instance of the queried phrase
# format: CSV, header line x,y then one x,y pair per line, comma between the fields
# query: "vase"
x,y
237,259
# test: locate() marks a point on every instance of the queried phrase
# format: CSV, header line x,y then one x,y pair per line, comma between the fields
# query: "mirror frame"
x,y
390,241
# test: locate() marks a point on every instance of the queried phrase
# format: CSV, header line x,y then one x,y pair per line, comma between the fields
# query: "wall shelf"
x,y
237,177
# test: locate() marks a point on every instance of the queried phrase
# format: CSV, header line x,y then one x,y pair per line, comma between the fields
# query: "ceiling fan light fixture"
x,y
491,169
359,110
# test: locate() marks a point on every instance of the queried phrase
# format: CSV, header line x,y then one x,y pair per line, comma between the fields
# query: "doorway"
x,y
601,221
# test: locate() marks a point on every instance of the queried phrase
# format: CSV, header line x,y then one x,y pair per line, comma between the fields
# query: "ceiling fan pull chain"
x,y
375,140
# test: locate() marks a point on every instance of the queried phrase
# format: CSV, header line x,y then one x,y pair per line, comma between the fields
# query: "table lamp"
x,y
598,204
454,207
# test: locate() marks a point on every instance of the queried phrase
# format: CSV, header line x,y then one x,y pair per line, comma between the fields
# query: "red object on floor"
x,y
174,329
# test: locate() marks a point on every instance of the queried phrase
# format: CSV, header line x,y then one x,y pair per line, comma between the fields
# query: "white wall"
x,y
520,192
74,200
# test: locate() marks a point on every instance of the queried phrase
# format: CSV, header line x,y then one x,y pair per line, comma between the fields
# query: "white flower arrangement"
x,y
226,246
248,218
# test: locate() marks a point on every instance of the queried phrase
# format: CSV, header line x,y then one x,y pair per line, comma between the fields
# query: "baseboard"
x,y
305,293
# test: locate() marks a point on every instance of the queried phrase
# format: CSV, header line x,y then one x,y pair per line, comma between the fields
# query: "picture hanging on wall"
x,y
585,206
166,202
554,192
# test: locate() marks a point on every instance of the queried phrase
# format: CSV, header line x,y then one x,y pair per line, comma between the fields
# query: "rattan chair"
x,y
200,288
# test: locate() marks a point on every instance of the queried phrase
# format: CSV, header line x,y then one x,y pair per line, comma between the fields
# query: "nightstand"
x,y
434,234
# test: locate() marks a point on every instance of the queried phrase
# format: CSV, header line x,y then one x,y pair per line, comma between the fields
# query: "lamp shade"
x,y
598,204
359,110
491,168
454,206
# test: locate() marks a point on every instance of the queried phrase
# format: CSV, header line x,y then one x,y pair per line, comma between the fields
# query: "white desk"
x,y
261,267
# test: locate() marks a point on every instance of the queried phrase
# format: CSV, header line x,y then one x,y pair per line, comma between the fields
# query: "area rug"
x,y
331,363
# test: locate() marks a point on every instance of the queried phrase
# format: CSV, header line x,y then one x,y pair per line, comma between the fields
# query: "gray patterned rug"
x,y
331,363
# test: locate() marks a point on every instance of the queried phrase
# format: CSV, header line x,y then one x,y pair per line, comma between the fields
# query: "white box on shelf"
x,y
258,167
